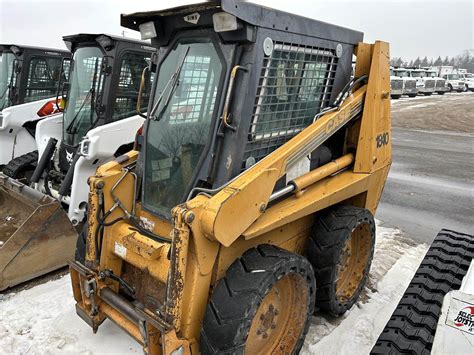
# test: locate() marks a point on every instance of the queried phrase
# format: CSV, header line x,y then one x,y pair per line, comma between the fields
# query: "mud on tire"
x,y
412,326
239,314
341,249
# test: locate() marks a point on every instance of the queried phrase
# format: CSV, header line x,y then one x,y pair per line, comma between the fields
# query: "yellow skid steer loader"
x,y
251,200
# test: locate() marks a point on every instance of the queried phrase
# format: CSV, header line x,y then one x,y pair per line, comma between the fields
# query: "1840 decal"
x,y
382,139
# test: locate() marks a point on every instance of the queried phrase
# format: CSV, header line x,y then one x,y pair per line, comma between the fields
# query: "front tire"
x,y
263,305
412,95
341,249
450,88
440,92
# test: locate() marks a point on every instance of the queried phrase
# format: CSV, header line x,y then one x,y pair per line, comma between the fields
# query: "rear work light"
x,y
147,30
50,108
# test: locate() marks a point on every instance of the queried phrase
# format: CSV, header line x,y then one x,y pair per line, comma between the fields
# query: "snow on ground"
x,y
42,320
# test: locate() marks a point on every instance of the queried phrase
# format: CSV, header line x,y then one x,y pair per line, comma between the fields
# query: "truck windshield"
x,y
85,86
453,76
431,74
402,74
418,74
180,121
6,70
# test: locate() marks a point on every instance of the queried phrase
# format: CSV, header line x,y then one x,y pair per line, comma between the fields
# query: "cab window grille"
x,y
129,85
43,77
295,84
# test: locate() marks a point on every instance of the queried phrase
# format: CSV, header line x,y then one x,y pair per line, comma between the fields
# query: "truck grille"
x,y
440,83
295,84
429,84
396,84
410,84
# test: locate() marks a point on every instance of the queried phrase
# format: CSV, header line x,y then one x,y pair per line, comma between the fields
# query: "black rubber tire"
x,y
237,296
19,167
450,88
332,228
440,92
80,254
412,95
412,327
396,97
427,93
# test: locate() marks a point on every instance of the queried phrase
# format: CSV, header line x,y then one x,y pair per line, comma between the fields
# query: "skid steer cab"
x,y
251,200
99,123
29,81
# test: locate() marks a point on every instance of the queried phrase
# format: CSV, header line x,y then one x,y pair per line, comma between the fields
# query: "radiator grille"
x,y
295,84
429,84
440,83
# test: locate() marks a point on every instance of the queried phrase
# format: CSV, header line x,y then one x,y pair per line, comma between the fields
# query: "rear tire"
x,y
80,254
21,168
412,95
341,249
440,92
427,93
263,305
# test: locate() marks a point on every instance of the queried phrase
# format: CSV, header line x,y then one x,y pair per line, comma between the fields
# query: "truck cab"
x,y
409,83
396,85
468,79
424,83
440,83
454,82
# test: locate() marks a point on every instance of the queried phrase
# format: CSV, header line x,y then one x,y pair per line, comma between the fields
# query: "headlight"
x,y
147,30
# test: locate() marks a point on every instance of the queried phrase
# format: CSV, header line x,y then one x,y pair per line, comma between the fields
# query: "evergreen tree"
x,y
438,61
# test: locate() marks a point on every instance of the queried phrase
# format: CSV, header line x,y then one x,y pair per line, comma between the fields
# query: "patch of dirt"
x,y
449,112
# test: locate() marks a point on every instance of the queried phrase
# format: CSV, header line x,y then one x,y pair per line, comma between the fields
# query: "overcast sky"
x,y
413,28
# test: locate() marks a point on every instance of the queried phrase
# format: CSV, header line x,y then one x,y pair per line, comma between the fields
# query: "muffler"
x,y
36,236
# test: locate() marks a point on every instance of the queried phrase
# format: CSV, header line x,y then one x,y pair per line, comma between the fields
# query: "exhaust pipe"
x,y
44,160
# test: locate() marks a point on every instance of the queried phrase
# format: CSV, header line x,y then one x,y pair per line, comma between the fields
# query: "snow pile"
x,y
42,320
395,262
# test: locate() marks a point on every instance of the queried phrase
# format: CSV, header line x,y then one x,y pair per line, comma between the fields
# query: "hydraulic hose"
x,y
44,160
67,182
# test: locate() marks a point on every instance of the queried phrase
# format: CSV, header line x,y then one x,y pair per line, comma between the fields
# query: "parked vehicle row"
x,y
426,81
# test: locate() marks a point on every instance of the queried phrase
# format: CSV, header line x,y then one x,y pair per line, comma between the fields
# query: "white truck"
x,y
396,85
440,83
409,83
29,81
468,79
454,82
424,83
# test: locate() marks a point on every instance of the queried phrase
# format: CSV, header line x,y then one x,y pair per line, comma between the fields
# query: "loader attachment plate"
x,y
36,236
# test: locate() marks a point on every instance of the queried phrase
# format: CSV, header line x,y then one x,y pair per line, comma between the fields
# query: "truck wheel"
x,y
396,97
427,93
440,92
413,324
341,249
263,305
412,95
21,168
450,88
80,254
